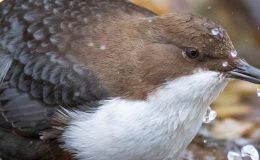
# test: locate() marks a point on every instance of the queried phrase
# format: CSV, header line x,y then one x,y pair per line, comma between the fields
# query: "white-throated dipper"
x,y
132,85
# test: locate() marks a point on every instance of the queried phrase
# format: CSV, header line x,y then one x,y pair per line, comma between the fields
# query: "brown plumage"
x,y
71,53
140,47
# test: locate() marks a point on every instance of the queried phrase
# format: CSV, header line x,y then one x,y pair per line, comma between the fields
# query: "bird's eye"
x,y
191,52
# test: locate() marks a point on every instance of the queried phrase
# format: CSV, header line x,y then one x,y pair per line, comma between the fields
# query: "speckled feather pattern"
x,y
38,34
36,37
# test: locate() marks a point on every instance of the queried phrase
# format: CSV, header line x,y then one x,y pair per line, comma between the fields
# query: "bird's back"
x,y
42,68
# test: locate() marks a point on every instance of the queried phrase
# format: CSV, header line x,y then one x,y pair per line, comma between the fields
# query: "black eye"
x,y
191,52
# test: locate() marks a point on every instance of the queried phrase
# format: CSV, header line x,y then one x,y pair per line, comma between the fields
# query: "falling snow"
x,y
215,31
225,64
234,53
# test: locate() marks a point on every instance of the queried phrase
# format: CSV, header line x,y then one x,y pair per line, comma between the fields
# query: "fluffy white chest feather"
x,y
158,128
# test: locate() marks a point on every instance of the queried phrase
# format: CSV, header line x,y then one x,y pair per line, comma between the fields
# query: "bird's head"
x,y
192,44
163,48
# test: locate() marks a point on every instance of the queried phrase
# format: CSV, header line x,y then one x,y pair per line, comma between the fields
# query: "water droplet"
x,y
210,115
103,47
209,7
225,64
215,31
90,44
233,156
234,53
150,20
258,90
247,152
250,151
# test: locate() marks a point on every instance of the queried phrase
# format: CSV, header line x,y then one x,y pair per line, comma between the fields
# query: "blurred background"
x,y
238,108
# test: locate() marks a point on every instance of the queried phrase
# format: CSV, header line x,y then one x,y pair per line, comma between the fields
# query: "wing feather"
x,y
38,63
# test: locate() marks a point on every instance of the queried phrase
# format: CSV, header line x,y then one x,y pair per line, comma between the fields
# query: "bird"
x,y
107,80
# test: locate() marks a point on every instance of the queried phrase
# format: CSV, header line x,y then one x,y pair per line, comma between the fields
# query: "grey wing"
x,y
40,69
22,112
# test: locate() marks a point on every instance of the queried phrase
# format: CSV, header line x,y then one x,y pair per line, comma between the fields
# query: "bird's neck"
x,y
182,104
198,89
160,126
184,101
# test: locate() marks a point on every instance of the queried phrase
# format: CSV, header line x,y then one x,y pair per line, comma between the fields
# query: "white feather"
x,y
154,129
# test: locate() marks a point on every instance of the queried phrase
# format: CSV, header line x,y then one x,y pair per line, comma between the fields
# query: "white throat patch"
x,y
154,129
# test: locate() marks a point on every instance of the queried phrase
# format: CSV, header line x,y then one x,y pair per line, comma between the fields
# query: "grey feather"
x,y
5,64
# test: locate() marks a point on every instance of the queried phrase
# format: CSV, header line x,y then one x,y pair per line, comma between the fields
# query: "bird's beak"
x,y
246,72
